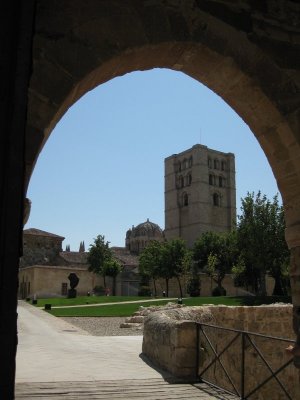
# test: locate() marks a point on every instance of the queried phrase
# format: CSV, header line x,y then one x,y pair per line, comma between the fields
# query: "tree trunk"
x,y
114,286
179,284
219,283
167,287
104,281
278,290
154,284
262,284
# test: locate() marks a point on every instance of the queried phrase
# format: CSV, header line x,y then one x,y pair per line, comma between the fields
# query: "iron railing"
x,y
246,342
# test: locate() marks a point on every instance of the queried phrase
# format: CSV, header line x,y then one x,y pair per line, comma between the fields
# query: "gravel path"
x,y
103,326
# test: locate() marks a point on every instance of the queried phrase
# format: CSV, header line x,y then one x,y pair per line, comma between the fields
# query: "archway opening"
x,y
114,141
130,163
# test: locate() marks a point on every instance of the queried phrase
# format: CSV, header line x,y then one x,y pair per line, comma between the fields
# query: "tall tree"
x,y
112,268
261,242
216,253
176,261
150,262
99,253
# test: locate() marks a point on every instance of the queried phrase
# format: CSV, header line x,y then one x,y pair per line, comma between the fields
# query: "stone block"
x,y
185,357
139,319
184,334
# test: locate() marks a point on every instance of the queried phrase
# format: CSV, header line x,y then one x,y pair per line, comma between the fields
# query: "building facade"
x,y
45,267
200,193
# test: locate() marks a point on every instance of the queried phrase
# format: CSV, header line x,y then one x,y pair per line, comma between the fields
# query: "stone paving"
x,y
54,357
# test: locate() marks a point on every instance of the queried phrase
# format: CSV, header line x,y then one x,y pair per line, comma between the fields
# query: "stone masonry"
x,y
170,341
199,193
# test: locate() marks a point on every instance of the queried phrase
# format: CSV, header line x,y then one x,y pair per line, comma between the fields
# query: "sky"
x,y
102,169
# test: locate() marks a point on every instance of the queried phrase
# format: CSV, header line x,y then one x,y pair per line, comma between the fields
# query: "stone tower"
x,y
199,193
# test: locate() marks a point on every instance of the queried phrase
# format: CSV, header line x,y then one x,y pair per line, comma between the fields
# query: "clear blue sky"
x,y
102,169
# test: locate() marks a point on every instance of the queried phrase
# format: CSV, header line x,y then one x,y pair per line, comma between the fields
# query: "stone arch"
x,y
79,45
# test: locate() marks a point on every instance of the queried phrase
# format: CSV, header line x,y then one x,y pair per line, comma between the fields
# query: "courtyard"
x,y
57,360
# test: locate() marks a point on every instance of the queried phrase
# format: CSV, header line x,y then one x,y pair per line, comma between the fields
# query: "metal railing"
x,y
246,342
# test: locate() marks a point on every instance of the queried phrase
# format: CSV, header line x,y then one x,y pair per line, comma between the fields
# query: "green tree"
x,y
193,281
99,253
214,271
112,268
261,242
176,261
150,262
216,253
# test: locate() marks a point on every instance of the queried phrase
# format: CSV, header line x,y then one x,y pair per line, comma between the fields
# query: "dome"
x,y
139,236
147,228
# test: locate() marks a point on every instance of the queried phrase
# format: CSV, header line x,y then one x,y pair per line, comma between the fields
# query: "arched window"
x,y
211,182
223,165
179,166
185,199
209,162
189,179
179,182
221,181
190,161
216,164
185,164
216,200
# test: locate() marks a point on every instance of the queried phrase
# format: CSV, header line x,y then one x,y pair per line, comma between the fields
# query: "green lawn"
x,y
124,310
116,310
81,300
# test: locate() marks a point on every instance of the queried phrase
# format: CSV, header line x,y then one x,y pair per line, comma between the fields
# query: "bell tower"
x,y
200,193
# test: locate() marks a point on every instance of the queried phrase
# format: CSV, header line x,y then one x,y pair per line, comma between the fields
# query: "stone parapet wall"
x,y
170,339
170,342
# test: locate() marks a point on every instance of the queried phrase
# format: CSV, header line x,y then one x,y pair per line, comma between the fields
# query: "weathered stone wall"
x,y
170,341
41,250
46,281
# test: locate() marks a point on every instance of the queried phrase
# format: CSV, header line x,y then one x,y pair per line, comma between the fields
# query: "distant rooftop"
x,y
74,257
38,232
123,255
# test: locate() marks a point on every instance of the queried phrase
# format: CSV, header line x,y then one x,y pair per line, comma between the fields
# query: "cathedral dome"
x,y
139,236
147,228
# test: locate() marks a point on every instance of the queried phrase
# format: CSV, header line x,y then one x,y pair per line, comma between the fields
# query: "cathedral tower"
x,y
199,193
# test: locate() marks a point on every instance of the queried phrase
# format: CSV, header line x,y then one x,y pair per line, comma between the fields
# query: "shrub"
x,y
99,290
219,291
145,291
193,287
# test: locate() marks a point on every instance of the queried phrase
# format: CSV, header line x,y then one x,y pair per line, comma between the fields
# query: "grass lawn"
x,y
125,310
81,300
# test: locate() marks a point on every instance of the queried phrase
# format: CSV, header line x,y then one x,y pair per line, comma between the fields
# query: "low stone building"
x,y
45,267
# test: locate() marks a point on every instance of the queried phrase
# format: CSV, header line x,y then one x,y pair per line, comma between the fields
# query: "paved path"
x,y
56,360
52,350
117,302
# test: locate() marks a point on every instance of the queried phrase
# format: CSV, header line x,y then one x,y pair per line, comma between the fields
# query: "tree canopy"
x,y
165,260
261,242
215,254
150,262
101,261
